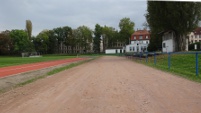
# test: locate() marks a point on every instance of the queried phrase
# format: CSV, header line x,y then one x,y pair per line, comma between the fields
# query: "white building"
x,y
195,36
139,41
169,42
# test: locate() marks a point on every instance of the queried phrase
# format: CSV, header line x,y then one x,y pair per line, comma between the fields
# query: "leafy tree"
x,y
20,41
53,42
74,39
180,17
126,29
41,42
29,28
5,43
63,35
110,37
97,34
155,42
67,36
85,37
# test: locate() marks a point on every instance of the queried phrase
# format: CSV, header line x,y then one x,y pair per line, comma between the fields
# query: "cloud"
x,y
49,14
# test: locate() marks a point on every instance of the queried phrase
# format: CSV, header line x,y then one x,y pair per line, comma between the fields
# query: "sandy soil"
x,y
106,85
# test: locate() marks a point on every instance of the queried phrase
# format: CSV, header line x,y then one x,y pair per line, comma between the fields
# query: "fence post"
x,y
146,57
169,60
154,58
196,62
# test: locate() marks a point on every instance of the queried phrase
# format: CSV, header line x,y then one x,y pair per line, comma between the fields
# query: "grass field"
x,y
10,61
181,64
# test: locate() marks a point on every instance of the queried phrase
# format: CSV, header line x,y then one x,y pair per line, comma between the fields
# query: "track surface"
x,y
11,70
106,85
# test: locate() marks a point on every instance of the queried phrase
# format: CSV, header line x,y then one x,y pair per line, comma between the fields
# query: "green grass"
x,y
181,64
11,61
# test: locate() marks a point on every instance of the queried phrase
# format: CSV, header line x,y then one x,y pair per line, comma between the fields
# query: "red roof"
x,y
144,34
197,31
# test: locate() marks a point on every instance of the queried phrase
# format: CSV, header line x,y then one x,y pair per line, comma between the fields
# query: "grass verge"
x,y
182,65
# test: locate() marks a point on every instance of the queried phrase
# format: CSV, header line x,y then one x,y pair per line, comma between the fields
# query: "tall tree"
x,y
74,40
126,29
85,37
41,42
20,41
29,28
97,35
5,43
180,17
53,42
110,37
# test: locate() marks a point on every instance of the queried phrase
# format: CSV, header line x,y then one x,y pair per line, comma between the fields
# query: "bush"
x,y
191,46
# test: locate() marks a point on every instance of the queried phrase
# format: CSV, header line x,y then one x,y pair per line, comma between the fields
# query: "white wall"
x,y
113,51
168,46
136,48
110,51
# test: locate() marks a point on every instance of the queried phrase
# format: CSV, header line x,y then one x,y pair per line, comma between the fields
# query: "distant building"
x,y
139,41
63,49
195,36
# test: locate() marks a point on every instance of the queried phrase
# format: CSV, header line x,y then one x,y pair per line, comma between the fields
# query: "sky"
x,y
49,14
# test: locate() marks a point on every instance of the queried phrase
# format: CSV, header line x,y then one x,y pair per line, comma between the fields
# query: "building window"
x,y
163,45
134,37
130,48
147,42
199,36
133,48
140,37
146,37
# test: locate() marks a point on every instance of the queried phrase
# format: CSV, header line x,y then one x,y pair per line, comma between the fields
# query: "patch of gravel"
x,y
8,83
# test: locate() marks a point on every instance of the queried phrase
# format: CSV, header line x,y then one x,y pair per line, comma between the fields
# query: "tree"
x,y
20,41
85,37
29,28
67,36
5,43
180,17
74,40
53,42
41,42
110,37
126,29
97,35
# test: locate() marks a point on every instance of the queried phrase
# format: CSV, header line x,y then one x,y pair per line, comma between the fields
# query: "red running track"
x,y
11,70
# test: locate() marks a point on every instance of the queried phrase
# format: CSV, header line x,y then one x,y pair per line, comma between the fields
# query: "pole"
x,y
169,60
196,62
154,58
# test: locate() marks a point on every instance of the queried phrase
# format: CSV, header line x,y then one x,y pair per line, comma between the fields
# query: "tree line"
x,y
17,41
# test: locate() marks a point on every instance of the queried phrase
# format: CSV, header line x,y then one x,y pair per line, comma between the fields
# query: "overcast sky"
x,y
49,14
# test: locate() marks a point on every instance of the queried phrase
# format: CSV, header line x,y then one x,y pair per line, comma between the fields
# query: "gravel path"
x,y
106,85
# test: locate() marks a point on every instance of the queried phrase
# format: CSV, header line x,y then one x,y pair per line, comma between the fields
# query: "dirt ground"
x,y
107,85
